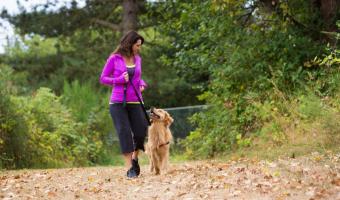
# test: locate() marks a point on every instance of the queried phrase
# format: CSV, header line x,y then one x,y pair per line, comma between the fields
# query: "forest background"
x,y
267,69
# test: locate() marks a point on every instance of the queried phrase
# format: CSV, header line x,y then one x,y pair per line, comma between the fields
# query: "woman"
x,y
122,68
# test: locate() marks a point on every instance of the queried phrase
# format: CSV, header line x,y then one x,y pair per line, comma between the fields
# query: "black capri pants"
x,y
130,124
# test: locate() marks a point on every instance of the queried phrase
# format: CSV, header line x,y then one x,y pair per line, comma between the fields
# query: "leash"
x,y
124,97
141,103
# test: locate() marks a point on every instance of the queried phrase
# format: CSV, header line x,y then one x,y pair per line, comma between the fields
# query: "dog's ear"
x,y
168,119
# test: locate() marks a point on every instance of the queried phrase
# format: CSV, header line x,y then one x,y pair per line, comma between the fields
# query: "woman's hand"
x,y
126,76
141,88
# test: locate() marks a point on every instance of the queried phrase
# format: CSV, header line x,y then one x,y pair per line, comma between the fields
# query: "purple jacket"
x,y
112,75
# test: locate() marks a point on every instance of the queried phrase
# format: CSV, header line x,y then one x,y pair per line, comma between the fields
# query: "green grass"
x,y
273,153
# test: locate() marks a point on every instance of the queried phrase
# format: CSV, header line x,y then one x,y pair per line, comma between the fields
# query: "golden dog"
x,y
159,138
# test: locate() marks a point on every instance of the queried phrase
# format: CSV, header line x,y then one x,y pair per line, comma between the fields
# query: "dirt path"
x,y
311,177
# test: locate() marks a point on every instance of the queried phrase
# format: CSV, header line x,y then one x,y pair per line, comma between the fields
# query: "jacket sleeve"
x,y
107,73
143,83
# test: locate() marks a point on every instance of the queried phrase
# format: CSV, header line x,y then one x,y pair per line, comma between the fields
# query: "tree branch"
x,y
147,26
247,15
273,6
114,27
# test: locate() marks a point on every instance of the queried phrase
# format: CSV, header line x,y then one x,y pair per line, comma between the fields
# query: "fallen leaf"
x,y
181,194
336,181
51,194
90,179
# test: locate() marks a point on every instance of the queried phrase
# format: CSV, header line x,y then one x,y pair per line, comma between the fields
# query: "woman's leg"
x,y
121,122
127,158
135,154
138,127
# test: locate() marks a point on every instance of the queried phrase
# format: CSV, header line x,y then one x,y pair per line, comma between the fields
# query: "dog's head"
x,y
160,115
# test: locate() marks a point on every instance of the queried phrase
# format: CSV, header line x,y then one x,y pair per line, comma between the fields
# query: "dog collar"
x,y
164,144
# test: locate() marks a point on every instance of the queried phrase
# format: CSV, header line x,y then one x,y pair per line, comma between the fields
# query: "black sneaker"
x,y
131,173
136,166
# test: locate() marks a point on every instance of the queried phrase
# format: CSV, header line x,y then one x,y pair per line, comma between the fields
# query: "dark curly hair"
x,y
126,43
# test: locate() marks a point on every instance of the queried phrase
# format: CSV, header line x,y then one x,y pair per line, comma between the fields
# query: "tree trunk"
x,y
328,10
130,11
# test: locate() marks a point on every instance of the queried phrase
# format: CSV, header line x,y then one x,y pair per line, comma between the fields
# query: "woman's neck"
x,y
129,60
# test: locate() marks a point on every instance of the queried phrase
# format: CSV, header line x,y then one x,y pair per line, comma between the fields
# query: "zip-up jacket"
x,y
112,75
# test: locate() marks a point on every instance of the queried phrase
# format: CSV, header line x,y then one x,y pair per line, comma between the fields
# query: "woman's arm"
x,y
106,76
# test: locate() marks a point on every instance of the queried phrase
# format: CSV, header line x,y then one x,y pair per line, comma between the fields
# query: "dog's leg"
x,y
166,161
163,162
148,153
151,165
155,161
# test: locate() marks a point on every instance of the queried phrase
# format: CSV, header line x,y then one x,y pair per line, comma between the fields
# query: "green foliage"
x,y
92,111
310,107
37,57
53,24
52,132
166,88
12,130
56,51
39,131
262,66
213,135
325,80
304,119
245,62
82,99
242,142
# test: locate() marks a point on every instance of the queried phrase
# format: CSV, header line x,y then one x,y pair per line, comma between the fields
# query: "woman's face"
x,y
136,47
